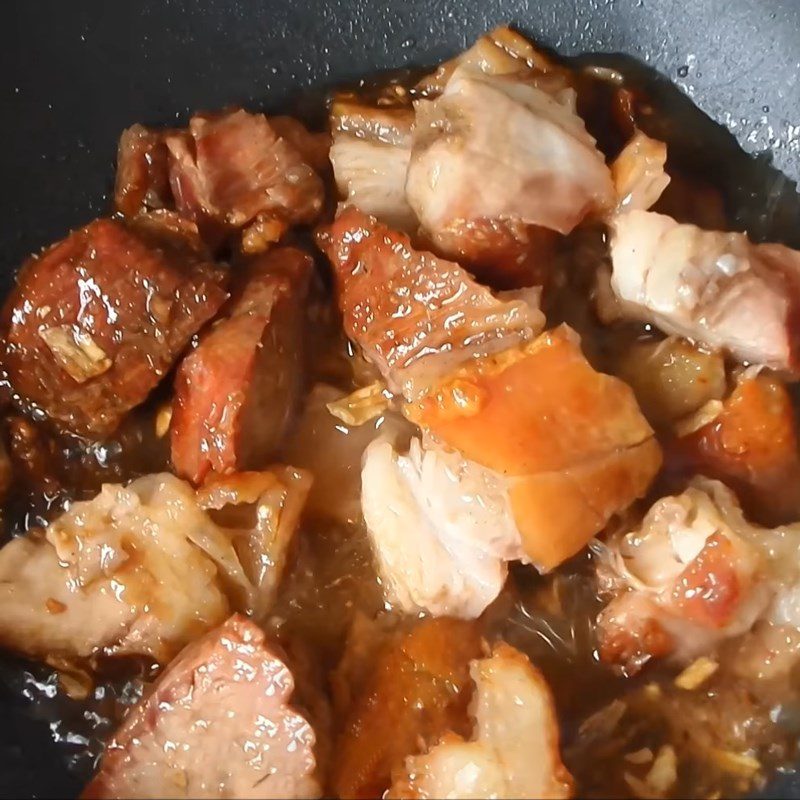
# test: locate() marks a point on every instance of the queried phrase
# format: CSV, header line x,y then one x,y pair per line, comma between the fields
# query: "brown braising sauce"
x,y
613,729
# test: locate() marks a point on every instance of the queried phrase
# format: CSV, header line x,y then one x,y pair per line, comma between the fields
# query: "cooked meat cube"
x,y
126,572
95,322
562,435
234,167
217,723
314,148
442,529
417,689
716,288
751,444
694,573
514,749
501,155
143,569
235,393
415,316
370,153
142,171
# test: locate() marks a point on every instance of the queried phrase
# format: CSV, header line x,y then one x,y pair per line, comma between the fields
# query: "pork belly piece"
x,y
751,443
717,288
497,161
236,391
217,723
416,317
501,51
514,749
143,569
442,529
314,148
695,573
415,690
234,169
370,153
142,181
561,435
95,322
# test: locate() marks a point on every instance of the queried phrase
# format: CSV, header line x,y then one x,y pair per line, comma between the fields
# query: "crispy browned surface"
x,y
753,446
235,392
417,690
96,321
570,438
416,316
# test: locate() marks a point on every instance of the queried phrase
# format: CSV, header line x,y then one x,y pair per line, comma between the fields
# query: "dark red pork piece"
x,y
218,723
235,392
235,169
95,321
142,171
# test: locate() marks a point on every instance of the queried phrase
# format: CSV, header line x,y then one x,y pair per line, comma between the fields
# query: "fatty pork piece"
x,y
409,691
235,392
97,320
370,152
717,288
230,170
514,748
751,444
416,317
497,163
695,573
442,529
501,51
143,569
217,723
569,444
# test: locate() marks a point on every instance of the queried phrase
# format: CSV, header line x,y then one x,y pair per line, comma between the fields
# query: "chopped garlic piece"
x,y
736,763
707,413
696,674
163,419
643,756
76,352
362,405
664,772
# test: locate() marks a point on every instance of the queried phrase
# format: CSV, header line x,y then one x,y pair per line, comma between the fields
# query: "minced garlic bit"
x,y
736,763
163,419
643,756
661,777
664,772
707,413
362,405
696,674
652,691
76,352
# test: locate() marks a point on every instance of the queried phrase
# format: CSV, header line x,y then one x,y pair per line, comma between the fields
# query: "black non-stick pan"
x,y
74,74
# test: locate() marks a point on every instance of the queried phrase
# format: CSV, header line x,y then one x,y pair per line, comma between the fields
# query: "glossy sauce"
x,y
609,724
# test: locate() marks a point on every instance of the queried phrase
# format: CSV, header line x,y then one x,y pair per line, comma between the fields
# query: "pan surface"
x,y
75,74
